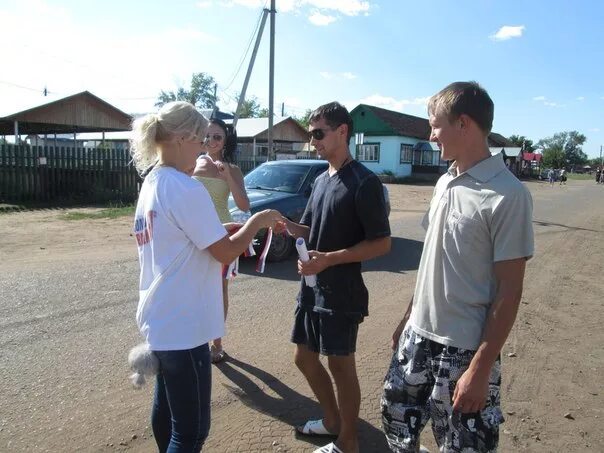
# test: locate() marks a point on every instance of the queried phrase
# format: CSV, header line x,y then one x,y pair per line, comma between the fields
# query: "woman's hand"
x,y
224,170
269,218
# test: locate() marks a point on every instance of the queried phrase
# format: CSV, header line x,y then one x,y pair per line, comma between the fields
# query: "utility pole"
x,y
250,66
271,82
282,109
601,161
214,107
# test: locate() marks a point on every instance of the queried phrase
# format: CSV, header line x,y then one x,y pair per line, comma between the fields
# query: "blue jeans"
x,y
181,409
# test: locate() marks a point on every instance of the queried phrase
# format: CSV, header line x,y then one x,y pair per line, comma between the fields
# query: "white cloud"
x,y
204,5
122,70
317,18
322,12
246,3
347,7
550,104
508,32
594,129
539,98
326,75
348,75
581,98
390,103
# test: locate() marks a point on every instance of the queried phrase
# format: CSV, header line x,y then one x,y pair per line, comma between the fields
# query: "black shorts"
x,y
324,332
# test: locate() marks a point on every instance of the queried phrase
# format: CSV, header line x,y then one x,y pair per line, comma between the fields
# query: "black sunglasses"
x,y
317,134
215,137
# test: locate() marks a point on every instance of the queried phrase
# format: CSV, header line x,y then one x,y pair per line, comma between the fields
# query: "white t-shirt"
x,y
475,219
180,304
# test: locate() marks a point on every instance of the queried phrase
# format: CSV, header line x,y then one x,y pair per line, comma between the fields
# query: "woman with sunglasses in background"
x,y
221,176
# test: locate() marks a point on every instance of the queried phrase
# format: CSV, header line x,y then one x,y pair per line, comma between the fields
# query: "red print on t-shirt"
x,y
143,228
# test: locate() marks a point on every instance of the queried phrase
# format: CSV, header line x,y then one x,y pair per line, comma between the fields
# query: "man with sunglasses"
x,y
345,223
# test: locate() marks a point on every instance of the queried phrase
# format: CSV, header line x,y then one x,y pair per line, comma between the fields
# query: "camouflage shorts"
x,y
419,387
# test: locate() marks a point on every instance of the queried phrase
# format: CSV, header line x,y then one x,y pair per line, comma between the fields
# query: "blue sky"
x,y
541,61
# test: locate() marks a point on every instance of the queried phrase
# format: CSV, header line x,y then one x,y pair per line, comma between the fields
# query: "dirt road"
x,y
68,298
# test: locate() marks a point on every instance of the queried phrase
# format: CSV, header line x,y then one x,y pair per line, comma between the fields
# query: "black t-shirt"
x,y
343,210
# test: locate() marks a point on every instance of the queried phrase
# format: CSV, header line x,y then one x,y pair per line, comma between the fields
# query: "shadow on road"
x,y
284,270
552,224
404,256
288,406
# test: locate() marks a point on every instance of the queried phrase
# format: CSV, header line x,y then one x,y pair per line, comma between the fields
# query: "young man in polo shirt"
x,y
479,235
345,223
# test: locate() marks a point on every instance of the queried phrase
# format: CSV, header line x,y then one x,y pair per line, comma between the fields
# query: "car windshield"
x,y
280,178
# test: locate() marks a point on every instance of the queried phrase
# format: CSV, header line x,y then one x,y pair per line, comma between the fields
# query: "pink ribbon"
x,y
233,269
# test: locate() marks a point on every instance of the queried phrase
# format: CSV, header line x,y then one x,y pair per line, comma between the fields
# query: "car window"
x,y
281,178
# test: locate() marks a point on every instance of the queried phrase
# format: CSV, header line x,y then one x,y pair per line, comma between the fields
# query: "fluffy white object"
x,y
144,363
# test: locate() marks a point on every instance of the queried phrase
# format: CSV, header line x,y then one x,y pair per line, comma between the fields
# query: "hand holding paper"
x,y
311,280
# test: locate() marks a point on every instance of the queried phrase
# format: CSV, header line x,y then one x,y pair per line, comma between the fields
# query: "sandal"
x,y
217,355
315,428
329,448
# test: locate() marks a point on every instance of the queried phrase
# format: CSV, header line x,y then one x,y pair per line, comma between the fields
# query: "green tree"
x,y
554,158
522,141
200,94
570,143
304,120
251,108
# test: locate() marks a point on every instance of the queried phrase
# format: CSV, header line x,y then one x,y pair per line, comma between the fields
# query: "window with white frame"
x,y
368,152
406,153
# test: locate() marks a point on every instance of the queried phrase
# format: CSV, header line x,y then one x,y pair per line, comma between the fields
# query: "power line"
x,y
247,50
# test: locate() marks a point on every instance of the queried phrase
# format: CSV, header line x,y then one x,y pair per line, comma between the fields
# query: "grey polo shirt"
x,y
476,219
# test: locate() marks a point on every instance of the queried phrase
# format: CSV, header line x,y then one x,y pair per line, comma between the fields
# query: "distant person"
x,y
563,176
598,175
551,176
345,223
479,235
181,243
221,176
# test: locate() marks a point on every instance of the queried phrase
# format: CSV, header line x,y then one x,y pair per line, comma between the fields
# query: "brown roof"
x,y
496,139
415,126
82,112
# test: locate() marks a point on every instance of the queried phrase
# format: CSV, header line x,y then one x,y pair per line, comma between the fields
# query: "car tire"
x,y
281,248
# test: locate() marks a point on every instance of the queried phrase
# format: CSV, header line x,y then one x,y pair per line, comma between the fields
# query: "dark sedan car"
x,y
284,185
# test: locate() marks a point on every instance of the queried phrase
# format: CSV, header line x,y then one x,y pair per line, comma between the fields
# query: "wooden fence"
x,y
49,174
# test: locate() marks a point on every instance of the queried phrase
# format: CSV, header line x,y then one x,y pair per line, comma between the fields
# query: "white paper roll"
x,y
311,280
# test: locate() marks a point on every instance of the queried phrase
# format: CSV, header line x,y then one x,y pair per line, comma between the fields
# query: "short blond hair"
x,y
464,98
174,119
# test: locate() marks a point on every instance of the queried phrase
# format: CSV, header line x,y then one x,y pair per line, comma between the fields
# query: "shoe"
x,y
217,355
315,428
329,448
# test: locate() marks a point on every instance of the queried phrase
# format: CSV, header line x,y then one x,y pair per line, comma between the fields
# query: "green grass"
x,y
580,176
108,213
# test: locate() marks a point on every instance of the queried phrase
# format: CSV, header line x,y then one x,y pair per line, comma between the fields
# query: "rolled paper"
x,y
311,280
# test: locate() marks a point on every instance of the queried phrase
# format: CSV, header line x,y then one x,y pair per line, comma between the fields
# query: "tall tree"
x,y
200,94
570,143
251,108
554,158
304,120
521,141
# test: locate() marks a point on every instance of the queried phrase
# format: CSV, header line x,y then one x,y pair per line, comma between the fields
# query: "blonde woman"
x,y
181,243
221,176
